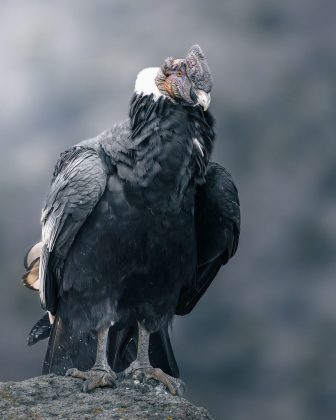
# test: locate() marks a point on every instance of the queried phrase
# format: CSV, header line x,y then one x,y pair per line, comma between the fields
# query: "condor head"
x,y
188,80
185,81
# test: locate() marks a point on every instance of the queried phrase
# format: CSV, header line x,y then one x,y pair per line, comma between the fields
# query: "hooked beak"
x,y
203,99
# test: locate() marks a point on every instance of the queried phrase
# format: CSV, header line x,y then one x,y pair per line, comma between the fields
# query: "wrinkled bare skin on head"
x,y
182,79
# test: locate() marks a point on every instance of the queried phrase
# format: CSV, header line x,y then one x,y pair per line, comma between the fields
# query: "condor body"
x,y
137,223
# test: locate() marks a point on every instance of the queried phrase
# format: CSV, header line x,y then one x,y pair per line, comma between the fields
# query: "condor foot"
x,y
143,373
94,378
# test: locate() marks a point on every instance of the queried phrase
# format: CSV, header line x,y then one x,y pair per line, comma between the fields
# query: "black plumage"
x,y
136,225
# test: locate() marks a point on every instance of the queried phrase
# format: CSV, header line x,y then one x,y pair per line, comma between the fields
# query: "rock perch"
x,y
51,396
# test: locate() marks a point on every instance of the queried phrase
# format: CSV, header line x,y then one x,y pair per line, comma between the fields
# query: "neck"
x,y
161,148
161,130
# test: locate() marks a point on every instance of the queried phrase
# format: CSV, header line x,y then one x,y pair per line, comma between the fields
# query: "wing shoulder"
x,y
79,180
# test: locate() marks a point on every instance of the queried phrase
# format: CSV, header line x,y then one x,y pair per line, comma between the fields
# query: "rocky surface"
x,y
61,397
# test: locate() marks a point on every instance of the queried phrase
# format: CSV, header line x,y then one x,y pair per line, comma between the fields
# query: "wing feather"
x,y
217,221
78,182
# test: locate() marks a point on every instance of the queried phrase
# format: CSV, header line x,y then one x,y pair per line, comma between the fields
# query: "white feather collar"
x,y
145,82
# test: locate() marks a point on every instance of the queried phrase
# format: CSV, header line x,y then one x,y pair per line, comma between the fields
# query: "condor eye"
x,y
179,73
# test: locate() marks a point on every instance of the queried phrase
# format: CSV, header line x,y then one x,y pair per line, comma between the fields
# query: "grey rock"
x,y
59,397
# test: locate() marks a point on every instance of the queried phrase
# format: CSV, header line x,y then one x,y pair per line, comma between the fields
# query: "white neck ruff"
x,y
145,83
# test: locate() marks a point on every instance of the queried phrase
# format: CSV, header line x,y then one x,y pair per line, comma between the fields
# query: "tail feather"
x,y
164,357
68,349
40,330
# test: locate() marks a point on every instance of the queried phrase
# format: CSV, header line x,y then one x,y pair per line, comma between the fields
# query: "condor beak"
x,y
203,99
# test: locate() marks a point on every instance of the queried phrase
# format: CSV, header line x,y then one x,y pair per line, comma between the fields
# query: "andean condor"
x,y
135,227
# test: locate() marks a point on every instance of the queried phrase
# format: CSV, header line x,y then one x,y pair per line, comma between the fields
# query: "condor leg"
x,y
142,369
100,374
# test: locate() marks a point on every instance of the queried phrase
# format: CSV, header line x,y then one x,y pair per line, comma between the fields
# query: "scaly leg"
x,y
142,369
100,374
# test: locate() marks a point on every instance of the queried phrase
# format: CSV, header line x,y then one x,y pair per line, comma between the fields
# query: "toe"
x,y
112,375
107,380
89,385
75,373
110,382
162,377
98,380
141,373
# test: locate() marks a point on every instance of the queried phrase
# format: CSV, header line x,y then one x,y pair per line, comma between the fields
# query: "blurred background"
x,y
261,343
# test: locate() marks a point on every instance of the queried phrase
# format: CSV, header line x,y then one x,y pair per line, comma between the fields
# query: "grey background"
x,y
261,343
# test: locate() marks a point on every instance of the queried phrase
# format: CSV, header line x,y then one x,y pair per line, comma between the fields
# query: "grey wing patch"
x,y
78,182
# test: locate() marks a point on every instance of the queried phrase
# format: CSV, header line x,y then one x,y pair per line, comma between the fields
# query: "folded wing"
x,y
217,220
78,182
